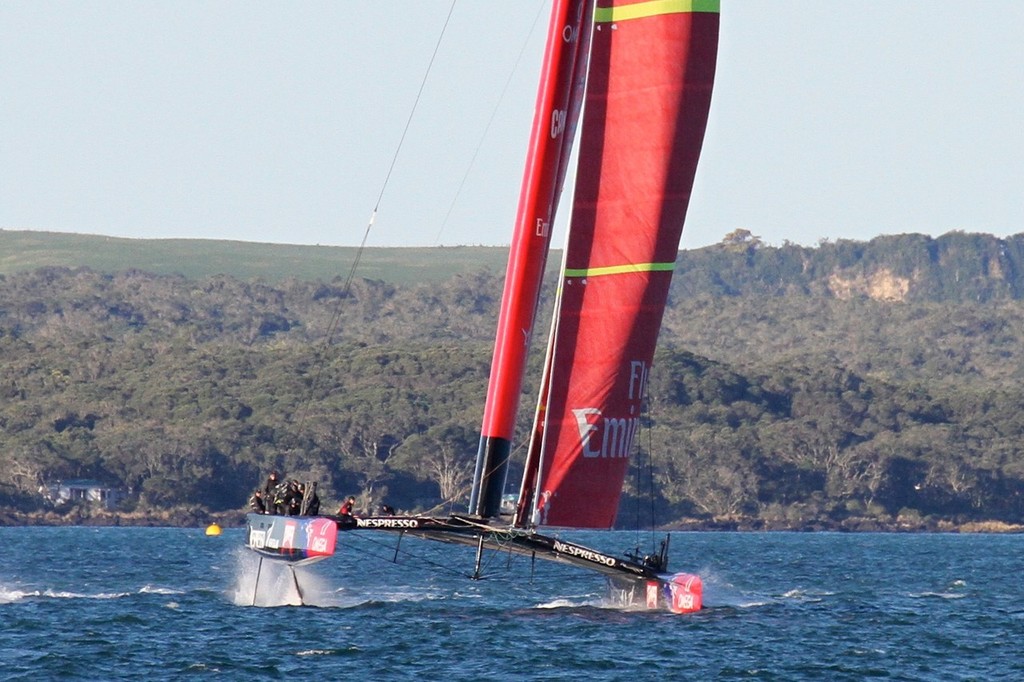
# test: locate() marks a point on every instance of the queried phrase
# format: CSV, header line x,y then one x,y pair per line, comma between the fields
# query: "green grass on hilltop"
x,y
25,250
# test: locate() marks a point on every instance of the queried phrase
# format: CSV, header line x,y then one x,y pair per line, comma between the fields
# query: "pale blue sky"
x,y
277,122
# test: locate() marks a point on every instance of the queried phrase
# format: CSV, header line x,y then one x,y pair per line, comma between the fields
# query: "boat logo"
x,y
652,594
681,598
257,538
288,542
612,437
583,553
388,523
616,437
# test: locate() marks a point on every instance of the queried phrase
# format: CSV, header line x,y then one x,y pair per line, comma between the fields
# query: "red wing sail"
x,y
559,97
652,66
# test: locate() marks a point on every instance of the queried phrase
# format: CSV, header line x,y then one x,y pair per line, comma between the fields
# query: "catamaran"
x,y
637,76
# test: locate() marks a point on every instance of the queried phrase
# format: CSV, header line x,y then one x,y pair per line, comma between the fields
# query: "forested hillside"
x,y
855,384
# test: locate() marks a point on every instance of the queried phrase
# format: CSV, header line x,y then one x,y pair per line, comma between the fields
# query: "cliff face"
x,y
956,267
882,285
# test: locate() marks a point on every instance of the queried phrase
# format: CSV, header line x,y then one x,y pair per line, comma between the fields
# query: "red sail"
x,y
559,97
651,70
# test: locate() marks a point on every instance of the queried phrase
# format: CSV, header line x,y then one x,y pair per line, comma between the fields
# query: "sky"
x,y
290,122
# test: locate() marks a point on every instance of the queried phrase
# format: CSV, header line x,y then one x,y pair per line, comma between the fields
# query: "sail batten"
x,y
619,269
648,8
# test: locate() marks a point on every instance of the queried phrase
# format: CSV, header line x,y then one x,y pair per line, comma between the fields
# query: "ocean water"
x,y
170,604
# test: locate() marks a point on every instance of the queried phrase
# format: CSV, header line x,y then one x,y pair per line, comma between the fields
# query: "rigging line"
x,y
398,148
636,523
419,94
487,561
639,483
405,552
512,453
487,128
647,426
650,464
335,321
490,557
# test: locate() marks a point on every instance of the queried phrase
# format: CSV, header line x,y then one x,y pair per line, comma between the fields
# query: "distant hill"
x,y
21,251
853,384
957,266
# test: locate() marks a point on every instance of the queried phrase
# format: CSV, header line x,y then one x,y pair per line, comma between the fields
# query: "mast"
x,y
559,97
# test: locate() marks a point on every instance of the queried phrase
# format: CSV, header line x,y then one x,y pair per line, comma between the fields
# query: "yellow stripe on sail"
x,y
619,269
652,8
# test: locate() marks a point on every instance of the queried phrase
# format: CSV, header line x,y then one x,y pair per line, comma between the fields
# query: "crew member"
x,y
313,504
347,506
293,499
268,488
282,497
256,502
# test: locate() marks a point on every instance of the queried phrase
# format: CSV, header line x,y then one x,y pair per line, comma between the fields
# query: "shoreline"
x,y
850,525
171,518
200,518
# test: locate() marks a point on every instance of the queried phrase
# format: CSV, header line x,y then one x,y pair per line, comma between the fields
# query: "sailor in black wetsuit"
x,y
256,502
268,491
313,506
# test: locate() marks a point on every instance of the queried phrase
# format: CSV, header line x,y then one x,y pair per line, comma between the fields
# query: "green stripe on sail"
x,y
654,7
619,269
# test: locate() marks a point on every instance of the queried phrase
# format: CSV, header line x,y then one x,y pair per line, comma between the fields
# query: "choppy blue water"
x,y
168,604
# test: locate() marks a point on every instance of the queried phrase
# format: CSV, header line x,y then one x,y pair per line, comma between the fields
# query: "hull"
x,y
633,582
296,539
676,593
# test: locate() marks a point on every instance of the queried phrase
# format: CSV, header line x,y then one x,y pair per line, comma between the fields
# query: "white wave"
x,y
562,603
396,596
263,583
588,600
274,583
939,595
203,668
61,594
8,595
810,596
149,589
720,592
316,652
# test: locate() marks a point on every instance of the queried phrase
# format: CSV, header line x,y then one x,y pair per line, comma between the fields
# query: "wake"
x,y
270,583
11,595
